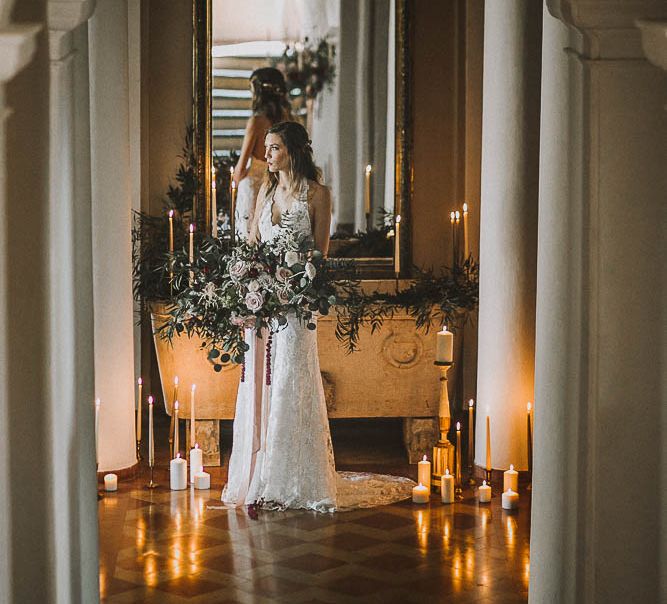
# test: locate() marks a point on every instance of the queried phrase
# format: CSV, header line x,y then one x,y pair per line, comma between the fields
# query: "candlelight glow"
x,y
171,213
458,426
140,382
176,405
465,208
529,406
457,215
196,445
150,400
192,228
511,467
98,402
176,381
471,403
398,218
194,387
368,169
452,217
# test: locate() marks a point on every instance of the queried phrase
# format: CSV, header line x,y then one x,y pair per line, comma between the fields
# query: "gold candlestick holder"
x,y
139,457
443,451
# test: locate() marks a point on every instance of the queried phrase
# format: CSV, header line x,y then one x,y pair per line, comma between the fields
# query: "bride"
x,y
282,455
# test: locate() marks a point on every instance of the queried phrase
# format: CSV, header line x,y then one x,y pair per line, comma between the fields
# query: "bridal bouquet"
x,y
223,293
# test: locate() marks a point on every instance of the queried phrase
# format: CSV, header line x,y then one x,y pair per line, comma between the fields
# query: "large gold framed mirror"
x,y
347,71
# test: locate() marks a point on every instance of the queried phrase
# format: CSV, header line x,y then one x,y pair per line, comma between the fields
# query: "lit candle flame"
x,y
512,467
196,445
176,405
140,382
529,407
369,168
150,400
465,208
192,228
176,380
471,403
452,217
98,402
194,387
424,458
398,218
458,426
171,213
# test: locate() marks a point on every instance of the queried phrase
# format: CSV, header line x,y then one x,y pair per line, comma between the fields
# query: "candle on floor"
x,y
511,480
420,494
510,500
192,414
424,472
110,482
202,480
447,487
178,473
140,385
176,430
484,493
444,349
196,462
151,434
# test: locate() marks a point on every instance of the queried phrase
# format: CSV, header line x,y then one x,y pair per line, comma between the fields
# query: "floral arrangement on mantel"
x,y
308,67
200,300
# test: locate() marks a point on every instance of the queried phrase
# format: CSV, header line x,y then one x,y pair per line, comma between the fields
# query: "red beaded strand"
x,y
269,340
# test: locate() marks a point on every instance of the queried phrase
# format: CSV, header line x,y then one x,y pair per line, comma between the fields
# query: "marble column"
x,y
112,248
71,379
598,484
508,227
17,45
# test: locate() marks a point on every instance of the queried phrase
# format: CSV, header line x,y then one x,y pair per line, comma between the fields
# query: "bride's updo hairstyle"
x,y
301,163
269,94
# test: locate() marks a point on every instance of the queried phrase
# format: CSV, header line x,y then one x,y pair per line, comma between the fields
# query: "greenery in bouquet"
x,y
308,67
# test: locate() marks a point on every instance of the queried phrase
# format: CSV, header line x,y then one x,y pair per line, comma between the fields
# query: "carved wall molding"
x,y
654,41
67,15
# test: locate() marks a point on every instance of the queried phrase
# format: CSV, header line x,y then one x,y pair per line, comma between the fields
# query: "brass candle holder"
x,y
443,451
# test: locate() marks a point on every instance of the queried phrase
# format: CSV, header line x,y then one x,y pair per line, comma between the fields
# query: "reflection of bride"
x,y
269,105
282,455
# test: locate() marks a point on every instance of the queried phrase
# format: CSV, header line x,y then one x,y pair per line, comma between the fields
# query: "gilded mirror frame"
x,y
403,169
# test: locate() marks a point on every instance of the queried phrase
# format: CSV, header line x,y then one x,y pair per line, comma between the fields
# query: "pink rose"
x,y
254,301
284,295
283,274
238,270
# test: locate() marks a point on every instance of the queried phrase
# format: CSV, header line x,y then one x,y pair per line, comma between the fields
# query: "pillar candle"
x,y
110,482
397,246
202,480
484,493
488,443
511,479
176,430
196,462
424,472
97,430
447,487
192,414
151,434
367,190
510,500
178,473
466,244
140,385
420,494
444,349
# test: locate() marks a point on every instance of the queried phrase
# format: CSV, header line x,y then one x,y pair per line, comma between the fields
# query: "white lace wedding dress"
x,y
246,196
282,455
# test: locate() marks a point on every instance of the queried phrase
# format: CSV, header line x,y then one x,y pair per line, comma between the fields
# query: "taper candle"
x,y
457,474
192,414
140,385
452,221
97,430
171,231
367,190
191,251
214,206
397,246
151,434
232,211
457,234
471,433
175,397
176,443
466,248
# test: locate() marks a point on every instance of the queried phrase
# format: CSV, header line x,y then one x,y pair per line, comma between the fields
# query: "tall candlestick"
x,y
457,234
192,415
151,434
231,180
452,222
397,246
457,475
191,252
176,430
471,440
466,245
171,231
140,385
529,435
367,191
488,448
214,207
97,430
171,423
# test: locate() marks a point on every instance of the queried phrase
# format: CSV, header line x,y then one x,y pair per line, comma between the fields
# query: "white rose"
x,y
265,280
253,286
254,301
238,269
291,258
283,274
310,270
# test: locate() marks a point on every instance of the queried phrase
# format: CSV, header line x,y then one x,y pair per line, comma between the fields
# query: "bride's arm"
x,y
253,231
321,204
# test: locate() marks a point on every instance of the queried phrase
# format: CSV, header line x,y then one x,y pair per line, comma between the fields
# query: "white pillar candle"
x,y
424,473
511,480
192,415
484,493
196,462
447,487
444,351
420,494
510,500
110,482
202,480
178,473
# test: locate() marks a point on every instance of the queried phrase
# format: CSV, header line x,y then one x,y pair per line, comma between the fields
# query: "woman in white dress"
x,y
269,106
282,455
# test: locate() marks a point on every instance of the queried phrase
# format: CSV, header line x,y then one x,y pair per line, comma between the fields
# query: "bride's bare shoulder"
x,y
318,194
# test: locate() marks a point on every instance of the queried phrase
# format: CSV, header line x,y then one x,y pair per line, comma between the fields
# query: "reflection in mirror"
x,y
329,64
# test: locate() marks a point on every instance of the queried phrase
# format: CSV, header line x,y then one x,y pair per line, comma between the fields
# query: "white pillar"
x,y
598,486
112,262
510,143
71,380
